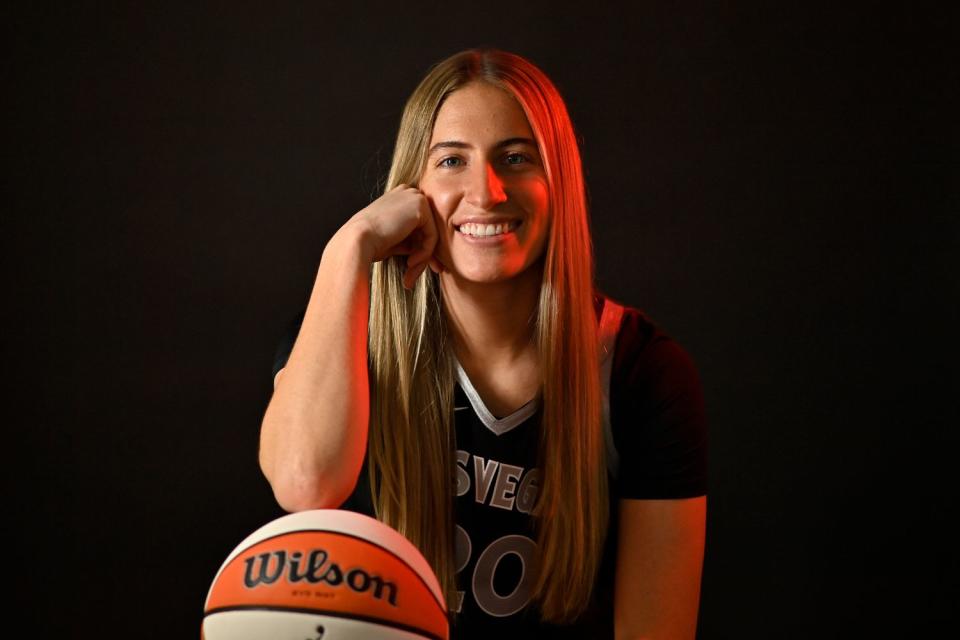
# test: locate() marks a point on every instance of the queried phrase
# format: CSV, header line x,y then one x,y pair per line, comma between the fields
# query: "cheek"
x,y
444,198
537,200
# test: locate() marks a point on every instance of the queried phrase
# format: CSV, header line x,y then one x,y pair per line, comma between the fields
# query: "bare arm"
x,y
309,454
659,565
314,431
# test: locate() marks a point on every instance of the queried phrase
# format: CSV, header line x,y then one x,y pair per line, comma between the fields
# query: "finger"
x,y
413,262
424,248
404,248
420,255
408,271
428,226
426,233
420,268
410,277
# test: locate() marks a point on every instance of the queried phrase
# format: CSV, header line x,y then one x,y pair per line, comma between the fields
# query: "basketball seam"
x,y
328,612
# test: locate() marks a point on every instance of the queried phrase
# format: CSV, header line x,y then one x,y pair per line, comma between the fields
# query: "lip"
x,y
484,220
487,240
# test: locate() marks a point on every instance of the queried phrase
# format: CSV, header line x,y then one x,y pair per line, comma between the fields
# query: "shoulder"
x,y
657,412
644,352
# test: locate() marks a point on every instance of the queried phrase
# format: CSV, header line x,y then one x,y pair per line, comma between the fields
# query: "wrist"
x,y
353,240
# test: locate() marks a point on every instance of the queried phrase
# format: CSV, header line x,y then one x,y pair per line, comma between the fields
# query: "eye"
x,y
445,162
516,158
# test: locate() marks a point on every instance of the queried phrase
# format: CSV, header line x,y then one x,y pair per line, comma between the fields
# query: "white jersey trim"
x,y
497,426
609,327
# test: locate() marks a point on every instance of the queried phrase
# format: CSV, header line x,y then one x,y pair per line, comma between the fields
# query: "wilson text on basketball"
x,y
267,568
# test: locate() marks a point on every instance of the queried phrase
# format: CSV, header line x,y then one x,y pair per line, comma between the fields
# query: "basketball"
x,y
325,574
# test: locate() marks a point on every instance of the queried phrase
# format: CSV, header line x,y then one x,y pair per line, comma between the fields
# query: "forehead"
x,y
480,111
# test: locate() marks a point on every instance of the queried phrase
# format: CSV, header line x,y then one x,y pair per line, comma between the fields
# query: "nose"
x,y
486,188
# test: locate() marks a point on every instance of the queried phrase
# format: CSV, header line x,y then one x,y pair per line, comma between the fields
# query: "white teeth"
x,y
482,231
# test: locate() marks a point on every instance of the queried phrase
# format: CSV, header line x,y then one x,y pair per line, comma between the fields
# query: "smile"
x,y
487,230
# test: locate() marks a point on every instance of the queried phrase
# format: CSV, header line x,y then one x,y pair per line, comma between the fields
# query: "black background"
x,y
774,185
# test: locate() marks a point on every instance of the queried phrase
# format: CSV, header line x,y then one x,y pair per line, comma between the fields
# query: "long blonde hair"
x,y
411,447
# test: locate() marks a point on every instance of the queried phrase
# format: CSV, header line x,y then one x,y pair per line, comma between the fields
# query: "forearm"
x,y
314,431
659,567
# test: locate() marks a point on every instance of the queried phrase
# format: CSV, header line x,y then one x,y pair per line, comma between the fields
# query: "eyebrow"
x,y
456,144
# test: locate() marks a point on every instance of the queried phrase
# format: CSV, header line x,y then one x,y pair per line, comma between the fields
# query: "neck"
x,y
492,323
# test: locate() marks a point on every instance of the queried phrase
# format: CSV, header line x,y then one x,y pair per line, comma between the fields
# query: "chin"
x,y
497,270
484,275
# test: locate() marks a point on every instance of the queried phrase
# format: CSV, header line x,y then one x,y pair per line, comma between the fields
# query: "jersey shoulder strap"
x,y
609,327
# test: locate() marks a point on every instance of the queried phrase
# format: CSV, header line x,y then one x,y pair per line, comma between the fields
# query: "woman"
x,y
447,377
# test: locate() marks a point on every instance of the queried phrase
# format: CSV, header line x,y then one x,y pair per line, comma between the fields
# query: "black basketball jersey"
x,y
655,430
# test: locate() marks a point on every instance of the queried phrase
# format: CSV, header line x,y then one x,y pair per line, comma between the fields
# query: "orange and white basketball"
x,y
330,574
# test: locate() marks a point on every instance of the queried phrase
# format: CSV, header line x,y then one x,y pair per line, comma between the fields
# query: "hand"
x,y
400,222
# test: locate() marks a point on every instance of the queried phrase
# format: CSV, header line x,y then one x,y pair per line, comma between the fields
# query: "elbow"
x,y
302,492
294,501
314,475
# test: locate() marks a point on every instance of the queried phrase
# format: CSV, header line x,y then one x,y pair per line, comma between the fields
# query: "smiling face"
x,y
487,185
